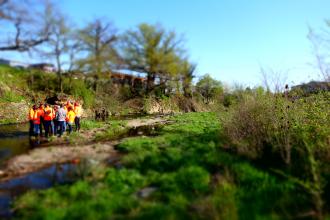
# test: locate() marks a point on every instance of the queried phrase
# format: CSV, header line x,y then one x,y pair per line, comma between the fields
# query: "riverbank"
x,y
180,173
91,143
181,167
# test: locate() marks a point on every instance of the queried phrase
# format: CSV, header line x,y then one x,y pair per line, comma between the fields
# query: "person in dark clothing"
x,y
55,120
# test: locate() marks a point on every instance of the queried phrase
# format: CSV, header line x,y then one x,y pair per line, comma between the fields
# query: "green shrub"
x,y
124,181
193,179
79,90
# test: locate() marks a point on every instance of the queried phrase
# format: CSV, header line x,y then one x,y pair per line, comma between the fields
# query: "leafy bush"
x,y
79,90
278,129
262,120
209,88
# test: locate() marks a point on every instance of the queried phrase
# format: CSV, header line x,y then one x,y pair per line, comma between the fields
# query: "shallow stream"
x,y
14,140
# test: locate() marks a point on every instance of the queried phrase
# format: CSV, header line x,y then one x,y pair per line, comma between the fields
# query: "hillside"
x,y
14,95
21,88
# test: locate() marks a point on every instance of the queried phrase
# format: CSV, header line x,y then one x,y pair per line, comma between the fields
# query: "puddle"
x,y
15,140
43,179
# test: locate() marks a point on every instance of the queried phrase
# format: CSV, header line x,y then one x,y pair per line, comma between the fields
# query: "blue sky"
x,y
230,39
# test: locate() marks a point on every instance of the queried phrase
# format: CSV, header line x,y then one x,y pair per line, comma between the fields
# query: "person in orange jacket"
x,y
70,118
48,120
37,120
68,104
41,110
78,112
30,117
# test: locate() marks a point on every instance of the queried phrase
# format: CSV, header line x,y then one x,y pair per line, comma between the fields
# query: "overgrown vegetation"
x,y
289,135
180,174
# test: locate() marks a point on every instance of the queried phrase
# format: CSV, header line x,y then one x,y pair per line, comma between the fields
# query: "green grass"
x,y
116,128
192,178
8,121
13,84
88,124
13,77
10,96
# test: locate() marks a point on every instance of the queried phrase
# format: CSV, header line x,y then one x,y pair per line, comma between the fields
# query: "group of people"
x,y
55,120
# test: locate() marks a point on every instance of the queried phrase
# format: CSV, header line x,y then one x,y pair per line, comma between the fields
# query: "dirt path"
x,y
39,158
145,122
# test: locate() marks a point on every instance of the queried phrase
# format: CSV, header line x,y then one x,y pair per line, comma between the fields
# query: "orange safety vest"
x,y
78,110
54,114
36,117
67,106
70,116
48,114
31,113
41,111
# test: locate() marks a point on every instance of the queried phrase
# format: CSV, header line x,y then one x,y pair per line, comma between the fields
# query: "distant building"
x,y
127,79
46,67
13,63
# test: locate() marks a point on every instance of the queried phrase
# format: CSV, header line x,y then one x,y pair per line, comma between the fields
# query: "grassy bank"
x,y
180,174
19,89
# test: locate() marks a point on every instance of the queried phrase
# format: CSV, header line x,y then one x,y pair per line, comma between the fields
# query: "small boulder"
x,y
146,192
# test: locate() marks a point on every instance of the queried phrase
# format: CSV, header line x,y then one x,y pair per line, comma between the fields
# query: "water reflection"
x,y
46,178
15,140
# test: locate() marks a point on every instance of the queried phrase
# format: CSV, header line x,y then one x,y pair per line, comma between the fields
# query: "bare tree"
x,y
24,24
57,46
274,81
319,42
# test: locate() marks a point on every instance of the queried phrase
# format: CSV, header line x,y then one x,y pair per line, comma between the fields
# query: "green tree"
x,y
98,40
187,72
152,50
209,88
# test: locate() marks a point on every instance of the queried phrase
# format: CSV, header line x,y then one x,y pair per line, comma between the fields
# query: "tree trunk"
x,y
150,82
60,82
